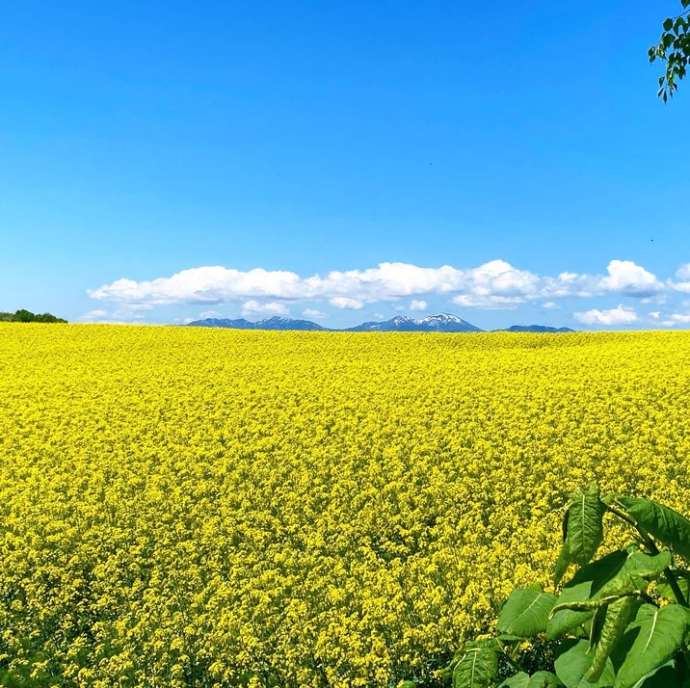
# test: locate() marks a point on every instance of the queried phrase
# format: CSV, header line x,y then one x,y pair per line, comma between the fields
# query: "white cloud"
x,y
208,314
494,284
655,315
313,313
621,315
418,305
386,281
677,319
258,308
626,277
498,285
622,277
567,284
499,278
550,305
346,302
489,302
682,274
202,285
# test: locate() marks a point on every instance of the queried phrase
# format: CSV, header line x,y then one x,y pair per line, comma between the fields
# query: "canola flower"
x,y
193,507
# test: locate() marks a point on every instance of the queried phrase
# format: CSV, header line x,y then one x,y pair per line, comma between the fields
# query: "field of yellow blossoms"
x,y
195,507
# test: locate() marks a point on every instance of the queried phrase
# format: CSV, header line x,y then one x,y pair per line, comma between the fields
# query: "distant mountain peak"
x,y
442,322
443,317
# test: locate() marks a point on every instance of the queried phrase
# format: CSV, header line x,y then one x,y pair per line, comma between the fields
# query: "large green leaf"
x,y
567,620
574,662
478,666
666,525
634,576
636,573
599,572
582,529
656,634
520,680
667,675
617,573
616,618
526,612
541,679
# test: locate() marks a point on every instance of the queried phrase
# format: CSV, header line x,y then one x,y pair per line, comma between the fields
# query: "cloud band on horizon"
x,y
495,284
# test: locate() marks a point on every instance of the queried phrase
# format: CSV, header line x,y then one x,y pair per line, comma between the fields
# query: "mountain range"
x,y
277,322
443,322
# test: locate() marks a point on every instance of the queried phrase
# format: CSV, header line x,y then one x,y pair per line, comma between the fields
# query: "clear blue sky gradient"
x,y
140,139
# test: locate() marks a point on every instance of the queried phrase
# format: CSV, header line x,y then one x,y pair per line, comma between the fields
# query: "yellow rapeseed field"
x,y
194,507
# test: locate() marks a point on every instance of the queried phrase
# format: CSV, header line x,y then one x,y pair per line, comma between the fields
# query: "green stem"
x,y
675,587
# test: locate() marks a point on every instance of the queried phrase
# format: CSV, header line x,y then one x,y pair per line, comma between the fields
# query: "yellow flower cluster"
x,y
194,507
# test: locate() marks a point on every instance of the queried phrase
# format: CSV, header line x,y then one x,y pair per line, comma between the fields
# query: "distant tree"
x,y
22,315
47,318
673,49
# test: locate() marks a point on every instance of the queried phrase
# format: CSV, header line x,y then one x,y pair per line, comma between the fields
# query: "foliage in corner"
x,y
620,621
673,49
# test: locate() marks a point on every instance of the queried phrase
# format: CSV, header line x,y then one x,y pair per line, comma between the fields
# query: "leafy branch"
x,y
620,621
673,48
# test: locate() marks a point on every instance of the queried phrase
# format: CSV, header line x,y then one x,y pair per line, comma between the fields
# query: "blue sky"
x,y
166,160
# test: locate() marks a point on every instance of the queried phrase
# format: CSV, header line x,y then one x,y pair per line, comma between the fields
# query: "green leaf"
x,y
586,583
478,666
574,662
544,679
664,524
566,620
636,573
562,564
682,579
617,617
667,675
583,529
520,680
526,612
668,24
541,679
656,634
599,572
